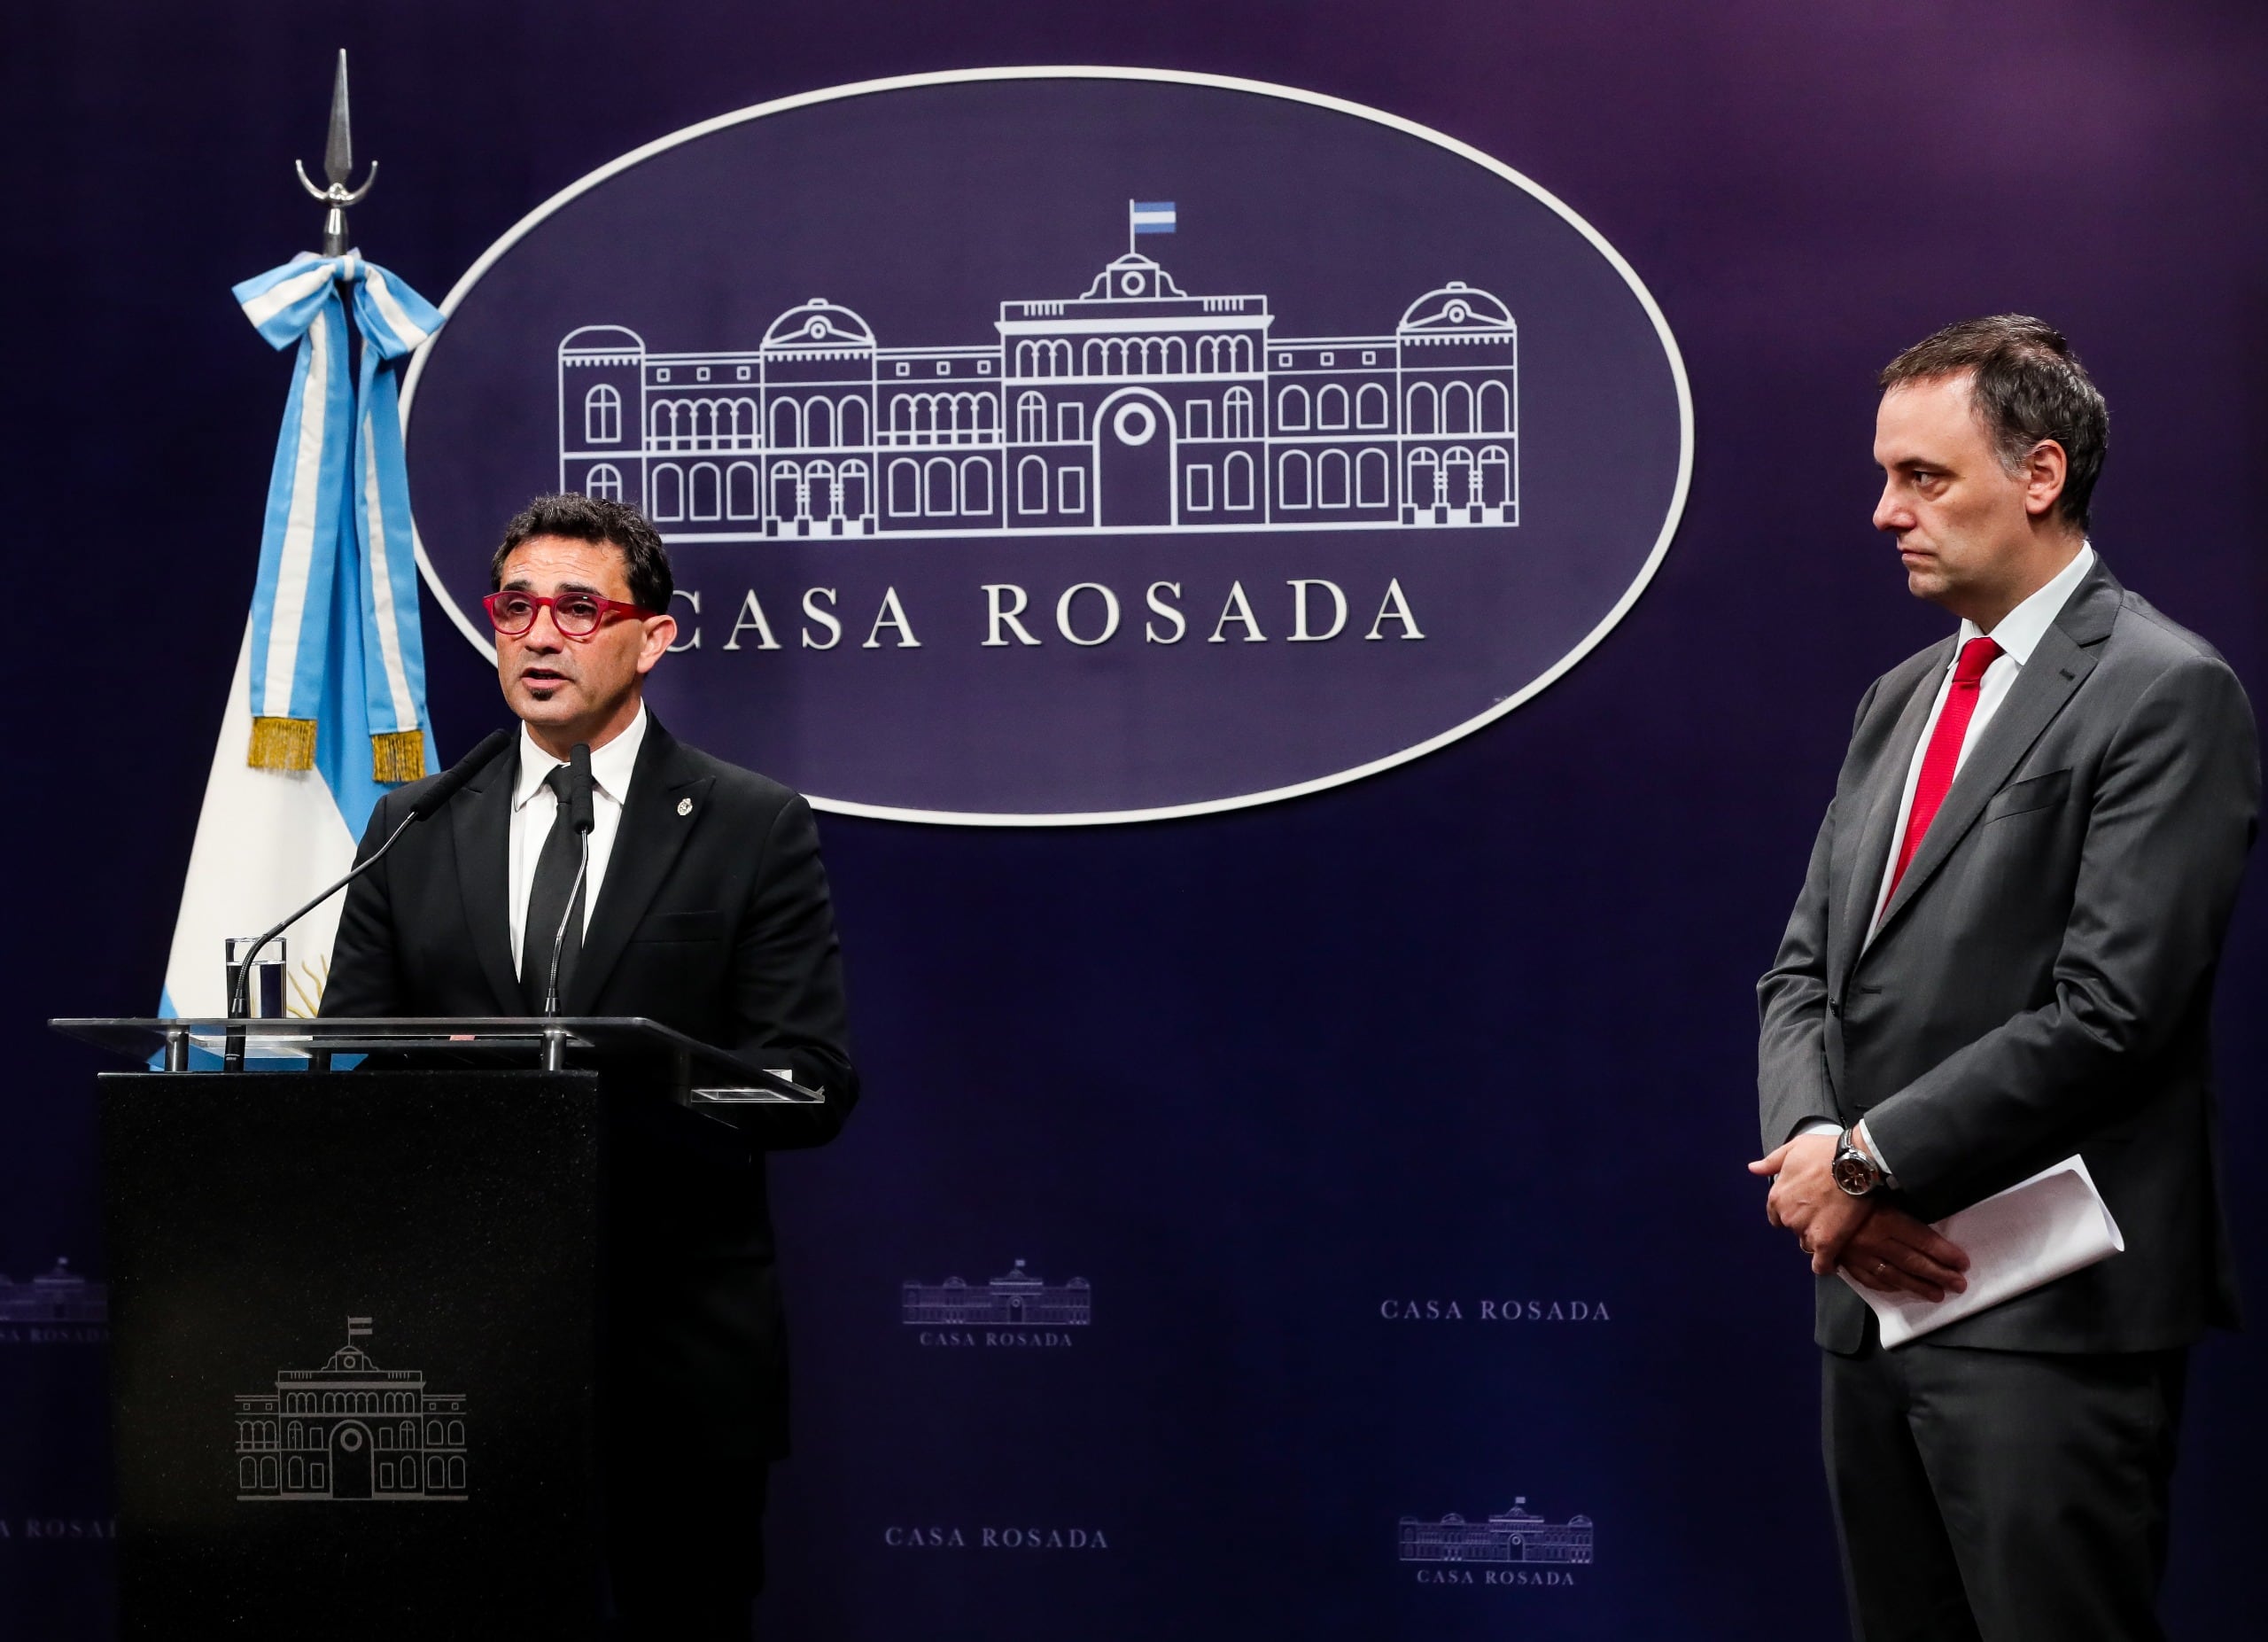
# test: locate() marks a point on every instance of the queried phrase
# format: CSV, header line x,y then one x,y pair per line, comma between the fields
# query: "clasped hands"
x,y
1875,1242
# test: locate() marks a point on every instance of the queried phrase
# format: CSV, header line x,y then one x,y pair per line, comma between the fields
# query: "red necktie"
x,y
1943,755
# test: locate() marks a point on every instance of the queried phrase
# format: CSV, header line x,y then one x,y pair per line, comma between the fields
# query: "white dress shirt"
x,y
533,809
2018,635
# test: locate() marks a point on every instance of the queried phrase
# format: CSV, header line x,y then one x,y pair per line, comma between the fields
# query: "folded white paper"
x,y
2016,1240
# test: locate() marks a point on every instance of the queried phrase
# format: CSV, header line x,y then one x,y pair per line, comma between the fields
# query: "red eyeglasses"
x,y
576,615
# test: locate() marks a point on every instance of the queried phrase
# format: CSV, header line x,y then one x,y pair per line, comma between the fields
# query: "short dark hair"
x,y
646,563
2027,386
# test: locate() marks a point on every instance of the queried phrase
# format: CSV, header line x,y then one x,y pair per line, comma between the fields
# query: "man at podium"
x,y
702,904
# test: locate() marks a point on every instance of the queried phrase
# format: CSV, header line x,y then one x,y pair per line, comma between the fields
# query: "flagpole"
x,y
1130,228
338,166
332,660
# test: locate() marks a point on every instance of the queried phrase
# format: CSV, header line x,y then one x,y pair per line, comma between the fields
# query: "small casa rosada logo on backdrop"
x,y
1518,1549
991,1537
1015,1311
55,1531
1410,1309
59,1308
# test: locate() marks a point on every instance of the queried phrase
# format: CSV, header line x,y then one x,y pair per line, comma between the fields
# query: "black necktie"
x,y
556,872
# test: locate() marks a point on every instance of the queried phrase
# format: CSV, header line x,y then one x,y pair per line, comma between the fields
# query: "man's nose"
x,y
1890,511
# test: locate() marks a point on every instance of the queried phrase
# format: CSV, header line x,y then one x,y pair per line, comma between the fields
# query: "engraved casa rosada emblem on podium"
x,y
351,1430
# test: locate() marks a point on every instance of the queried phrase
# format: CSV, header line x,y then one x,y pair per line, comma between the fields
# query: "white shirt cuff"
x,y
1821,1125
1889,1174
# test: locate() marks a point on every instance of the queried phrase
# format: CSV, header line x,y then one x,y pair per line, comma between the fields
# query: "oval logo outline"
x,y
1589,641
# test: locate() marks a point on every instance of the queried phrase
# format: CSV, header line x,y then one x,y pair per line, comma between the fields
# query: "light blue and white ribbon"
x,y
337,504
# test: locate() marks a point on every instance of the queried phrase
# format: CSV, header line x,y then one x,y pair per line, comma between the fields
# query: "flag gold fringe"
x,y
399,755
283,745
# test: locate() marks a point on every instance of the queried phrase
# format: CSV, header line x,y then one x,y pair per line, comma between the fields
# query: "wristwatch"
x,y
1854,1172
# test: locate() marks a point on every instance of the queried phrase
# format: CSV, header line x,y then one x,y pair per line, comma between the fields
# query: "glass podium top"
x,y
706,1075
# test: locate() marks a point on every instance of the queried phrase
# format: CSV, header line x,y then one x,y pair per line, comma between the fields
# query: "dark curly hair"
x,y
646,563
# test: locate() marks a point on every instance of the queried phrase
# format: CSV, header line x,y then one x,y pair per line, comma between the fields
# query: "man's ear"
x,y
2045,471
661,632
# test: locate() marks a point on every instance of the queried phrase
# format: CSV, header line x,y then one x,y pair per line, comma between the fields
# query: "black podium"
x,y
355,1318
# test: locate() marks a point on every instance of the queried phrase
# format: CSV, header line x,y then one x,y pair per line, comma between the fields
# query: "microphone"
x,y
446,786
450,782
582,817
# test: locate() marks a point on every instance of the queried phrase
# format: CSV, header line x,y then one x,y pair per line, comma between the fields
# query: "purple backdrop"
x,y
1280,1084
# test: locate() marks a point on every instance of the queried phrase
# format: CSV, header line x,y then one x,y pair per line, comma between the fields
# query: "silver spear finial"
x,y
338,166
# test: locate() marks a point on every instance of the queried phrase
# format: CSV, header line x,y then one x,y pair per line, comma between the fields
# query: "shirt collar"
x,y
2022,629
611,766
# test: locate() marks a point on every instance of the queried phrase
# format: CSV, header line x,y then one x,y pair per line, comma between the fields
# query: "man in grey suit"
x,y
2003,954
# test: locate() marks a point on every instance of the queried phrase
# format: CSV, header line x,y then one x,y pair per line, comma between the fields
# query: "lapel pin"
x,y
685,807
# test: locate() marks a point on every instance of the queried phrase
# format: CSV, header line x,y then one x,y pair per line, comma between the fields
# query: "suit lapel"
x,y
1879,808
480,823
2059,664
654,831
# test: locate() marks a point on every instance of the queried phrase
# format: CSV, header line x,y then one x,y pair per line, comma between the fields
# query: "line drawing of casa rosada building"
x,y
350,1430
60,1296
1135,407
1014,1298
1515,1536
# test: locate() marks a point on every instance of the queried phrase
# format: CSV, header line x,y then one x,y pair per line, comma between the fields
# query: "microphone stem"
x,y
240,983
559,941
443,789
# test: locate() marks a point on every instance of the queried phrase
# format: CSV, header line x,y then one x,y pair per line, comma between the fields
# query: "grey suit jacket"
x,y
2042,981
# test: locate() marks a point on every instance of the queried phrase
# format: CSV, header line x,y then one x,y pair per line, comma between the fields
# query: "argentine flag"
x,y
1150,216
328,704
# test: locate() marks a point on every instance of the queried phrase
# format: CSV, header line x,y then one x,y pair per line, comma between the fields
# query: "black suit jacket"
x,y
713,918
2042,980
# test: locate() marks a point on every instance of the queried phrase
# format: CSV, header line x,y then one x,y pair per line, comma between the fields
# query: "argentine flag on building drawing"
x,y
329,702
1150,216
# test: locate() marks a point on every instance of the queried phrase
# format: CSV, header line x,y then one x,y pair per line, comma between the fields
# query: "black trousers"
x,y
2001,1496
